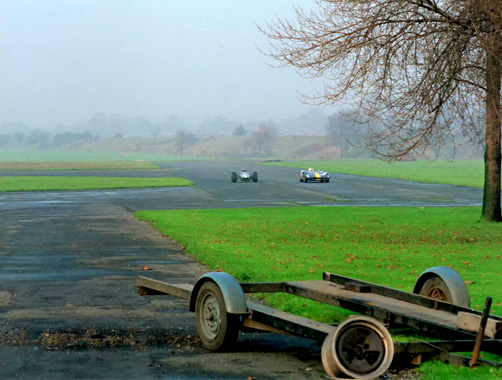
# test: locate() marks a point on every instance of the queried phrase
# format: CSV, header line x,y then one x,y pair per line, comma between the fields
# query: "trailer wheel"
x,y
436,288
217,329
443,284
360,348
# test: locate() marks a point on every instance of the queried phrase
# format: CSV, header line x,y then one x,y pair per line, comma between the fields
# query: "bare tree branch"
x,y
418,67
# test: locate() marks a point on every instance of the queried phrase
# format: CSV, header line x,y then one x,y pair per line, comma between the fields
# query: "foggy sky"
x,y
63,61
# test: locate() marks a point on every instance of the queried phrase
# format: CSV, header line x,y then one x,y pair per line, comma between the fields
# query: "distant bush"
x,y
239,131
45,140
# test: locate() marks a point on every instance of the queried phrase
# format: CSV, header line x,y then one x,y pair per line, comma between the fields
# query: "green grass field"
x,y
57,183
461,173
33,155
77,165
388,246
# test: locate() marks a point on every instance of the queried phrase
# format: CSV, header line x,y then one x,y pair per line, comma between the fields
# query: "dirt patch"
x,y
6,298
185,349
405,374
95,338
16,337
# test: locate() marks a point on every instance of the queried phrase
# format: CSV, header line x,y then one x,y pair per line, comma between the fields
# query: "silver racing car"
x,y
244,176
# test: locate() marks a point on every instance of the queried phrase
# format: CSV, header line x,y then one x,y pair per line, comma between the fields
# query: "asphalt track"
x,y
69,260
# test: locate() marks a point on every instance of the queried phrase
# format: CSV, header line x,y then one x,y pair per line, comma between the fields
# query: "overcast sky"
x,y
62,61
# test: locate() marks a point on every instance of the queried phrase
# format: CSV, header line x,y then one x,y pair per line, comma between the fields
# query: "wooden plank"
x,y
459,360
471,322
403,296
287,322
262,287
255,325
424,347
149,287
385,309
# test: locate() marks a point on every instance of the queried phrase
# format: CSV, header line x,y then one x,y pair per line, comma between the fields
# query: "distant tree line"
x,y
261,140
45,140
184,140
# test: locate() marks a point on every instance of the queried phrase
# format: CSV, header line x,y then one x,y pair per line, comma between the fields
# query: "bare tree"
x,y
183,140
262,139
343,133
417,66
239,131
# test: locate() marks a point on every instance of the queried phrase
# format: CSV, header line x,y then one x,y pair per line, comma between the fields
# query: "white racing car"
x,y
244,176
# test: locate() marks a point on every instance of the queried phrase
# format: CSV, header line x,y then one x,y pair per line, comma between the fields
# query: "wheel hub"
x,y
211,317
360,349
437,294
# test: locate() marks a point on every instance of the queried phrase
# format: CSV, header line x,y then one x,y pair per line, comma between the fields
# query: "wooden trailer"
x,y
361,347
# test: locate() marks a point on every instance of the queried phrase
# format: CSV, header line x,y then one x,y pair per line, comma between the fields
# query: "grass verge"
x,y
389,246
31,155
459,173
78,165
57,183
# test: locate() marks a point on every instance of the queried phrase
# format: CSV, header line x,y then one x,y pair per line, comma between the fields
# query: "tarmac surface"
x,y
69,307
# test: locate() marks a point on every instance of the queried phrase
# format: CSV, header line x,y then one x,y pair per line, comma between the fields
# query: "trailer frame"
x,y
381,307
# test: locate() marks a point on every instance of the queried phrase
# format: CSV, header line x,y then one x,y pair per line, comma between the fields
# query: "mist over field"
x,y
190,78
143,68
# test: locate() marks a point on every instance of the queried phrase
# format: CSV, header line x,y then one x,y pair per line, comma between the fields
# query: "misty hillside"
x,y
278,147
264,142
312,135
223,147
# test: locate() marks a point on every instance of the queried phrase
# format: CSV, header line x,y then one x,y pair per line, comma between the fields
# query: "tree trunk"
x,y
491,197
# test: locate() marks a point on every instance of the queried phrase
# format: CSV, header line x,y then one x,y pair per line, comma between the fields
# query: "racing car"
x,y
314,175
244,176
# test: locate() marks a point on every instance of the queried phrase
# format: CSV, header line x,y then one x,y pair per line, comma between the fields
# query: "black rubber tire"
x,y
218,330
434,287
255,177
234,177
305,180
327,181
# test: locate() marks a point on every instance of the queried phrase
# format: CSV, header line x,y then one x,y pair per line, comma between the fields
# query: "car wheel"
x,y
234,177
217,329
255,177
360,348
443,284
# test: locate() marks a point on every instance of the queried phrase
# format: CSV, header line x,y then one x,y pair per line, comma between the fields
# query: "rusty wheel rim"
x,y
361,349
437,294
